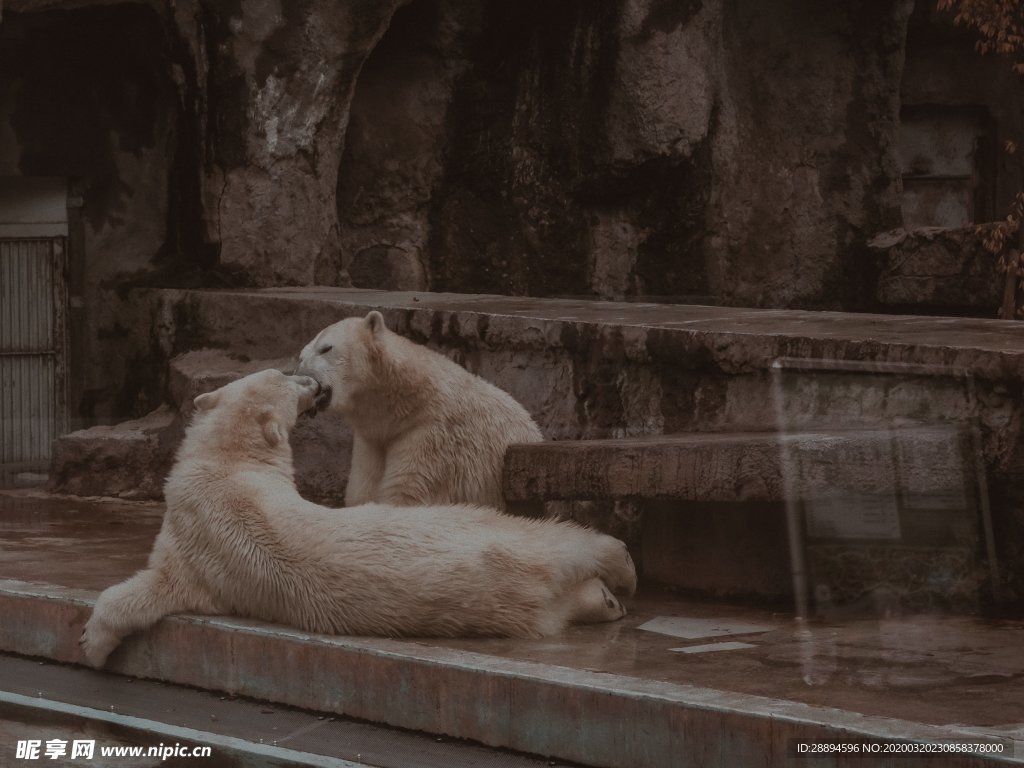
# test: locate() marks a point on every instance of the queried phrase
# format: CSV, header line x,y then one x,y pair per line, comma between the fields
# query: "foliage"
x,y
1000,28
999,23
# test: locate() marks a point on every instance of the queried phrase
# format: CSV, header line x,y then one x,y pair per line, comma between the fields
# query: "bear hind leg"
x,y
591,602
135,604
616,566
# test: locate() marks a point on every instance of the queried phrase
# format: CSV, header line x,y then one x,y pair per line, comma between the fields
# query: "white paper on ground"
x,y
732,645
691,629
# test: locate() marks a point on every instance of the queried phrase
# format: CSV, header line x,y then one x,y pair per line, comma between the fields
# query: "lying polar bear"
x,y
238,539
425,430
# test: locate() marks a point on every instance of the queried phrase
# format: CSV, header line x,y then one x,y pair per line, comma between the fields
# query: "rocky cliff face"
x,y
717,149
803,169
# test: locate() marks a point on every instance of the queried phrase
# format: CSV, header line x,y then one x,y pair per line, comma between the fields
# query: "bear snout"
x,y
323,397
310,392
321,393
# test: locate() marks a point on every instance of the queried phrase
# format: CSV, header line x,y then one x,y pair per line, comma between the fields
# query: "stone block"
x,y
204,370
129,460
933,270
740,467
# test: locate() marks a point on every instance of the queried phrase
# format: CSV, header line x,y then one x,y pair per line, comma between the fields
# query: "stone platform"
x,y
596,370
676,683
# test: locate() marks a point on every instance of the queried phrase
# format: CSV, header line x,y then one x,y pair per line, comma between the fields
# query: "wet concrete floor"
x,y
937,670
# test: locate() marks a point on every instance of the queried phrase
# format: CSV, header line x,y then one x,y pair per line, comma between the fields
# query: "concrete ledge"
x,y
245,321
743,466
240,732
204,370
574,714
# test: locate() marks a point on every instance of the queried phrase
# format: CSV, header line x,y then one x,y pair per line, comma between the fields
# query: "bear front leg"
x,y
135,604
365,473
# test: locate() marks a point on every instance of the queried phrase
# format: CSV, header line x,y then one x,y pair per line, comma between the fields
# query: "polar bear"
x,y
238,539
425,430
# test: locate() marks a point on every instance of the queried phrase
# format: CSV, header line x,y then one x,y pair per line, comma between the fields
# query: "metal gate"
x,y
33,377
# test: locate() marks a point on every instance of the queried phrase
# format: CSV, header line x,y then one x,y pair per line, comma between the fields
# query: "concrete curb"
x,y
594,718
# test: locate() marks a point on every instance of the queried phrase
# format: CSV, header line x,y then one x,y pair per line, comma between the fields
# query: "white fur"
x,y
425,430
238,539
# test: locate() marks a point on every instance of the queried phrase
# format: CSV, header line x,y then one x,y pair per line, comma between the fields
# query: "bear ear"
x,y
375,322
206,401
273,431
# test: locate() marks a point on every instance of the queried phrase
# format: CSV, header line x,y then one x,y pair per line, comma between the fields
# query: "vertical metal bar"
x,y
60,337
32,340
6,378
36,312
28,341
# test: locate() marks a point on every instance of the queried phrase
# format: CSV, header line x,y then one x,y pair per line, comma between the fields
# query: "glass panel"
x,y
886,500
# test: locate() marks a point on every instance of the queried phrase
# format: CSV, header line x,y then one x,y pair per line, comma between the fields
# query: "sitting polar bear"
x,y
425,430
238,539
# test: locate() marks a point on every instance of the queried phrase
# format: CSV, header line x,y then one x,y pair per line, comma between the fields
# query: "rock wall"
x,y
282,75
395,146
710,151
803,166
707,151
591,147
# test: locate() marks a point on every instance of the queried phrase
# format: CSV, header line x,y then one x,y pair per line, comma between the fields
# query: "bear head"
x,y
254,412
344,359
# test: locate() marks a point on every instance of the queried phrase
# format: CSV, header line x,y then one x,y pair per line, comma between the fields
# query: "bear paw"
x,y
592,602
97,643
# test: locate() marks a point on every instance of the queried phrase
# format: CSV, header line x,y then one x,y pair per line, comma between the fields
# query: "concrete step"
x,y
119,715
131,459
204,370
912,460
676,683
